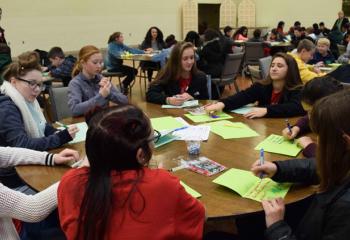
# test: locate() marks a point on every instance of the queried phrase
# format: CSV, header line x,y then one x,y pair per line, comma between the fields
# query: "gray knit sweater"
x,y
17,205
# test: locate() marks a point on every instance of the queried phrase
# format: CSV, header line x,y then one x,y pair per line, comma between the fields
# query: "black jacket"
x,y
289,104
157,93
211,58
329,213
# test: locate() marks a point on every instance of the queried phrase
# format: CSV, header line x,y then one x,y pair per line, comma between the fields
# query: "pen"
x,y
61,124
178,129
288,126
262,160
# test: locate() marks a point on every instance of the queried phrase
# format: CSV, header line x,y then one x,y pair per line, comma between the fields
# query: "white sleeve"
x,y
28,208
11,156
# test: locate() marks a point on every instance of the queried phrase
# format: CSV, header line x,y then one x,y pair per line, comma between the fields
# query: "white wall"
x,y
31,24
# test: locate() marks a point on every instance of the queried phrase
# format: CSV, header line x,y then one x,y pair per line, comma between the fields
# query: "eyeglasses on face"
x,y
33,84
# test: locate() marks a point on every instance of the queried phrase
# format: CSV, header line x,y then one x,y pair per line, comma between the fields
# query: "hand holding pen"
x,y
290,132
262,168
72,129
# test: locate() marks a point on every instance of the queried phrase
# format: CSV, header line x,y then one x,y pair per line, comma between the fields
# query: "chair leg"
x,y
218,90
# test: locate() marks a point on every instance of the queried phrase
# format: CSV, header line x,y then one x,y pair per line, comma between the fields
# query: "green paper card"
x,y
190,190
207,118
277,144
80,136
165,123
249,186
227,129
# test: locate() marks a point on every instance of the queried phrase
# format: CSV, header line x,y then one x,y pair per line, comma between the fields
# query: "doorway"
x,y
208,17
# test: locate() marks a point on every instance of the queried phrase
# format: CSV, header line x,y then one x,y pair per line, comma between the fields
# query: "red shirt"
x,y
184,83
275,97
169,211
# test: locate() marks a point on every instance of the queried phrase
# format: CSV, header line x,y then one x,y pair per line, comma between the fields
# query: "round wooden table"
x,y
233,153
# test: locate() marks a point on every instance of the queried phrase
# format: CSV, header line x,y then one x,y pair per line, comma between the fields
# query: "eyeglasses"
x,y
156,136
33,84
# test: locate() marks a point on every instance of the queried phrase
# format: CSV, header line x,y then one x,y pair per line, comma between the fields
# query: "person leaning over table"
x,y
123,192
28,208
277,96
179,80
313,90
89,88
329,212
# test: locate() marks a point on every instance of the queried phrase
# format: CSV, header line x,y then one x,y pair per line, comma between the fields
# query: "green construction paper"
x,y
249,186
227,129
190,190
207,118
165,123
278,144
81,135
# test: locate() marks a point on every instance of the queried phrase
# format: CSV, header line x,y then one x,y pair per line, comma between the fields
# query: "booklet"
x,y
249,186
205,166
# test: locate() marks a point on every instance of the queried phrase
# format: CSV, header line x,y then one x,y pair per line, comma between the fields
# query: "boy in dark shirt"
x,y
61,67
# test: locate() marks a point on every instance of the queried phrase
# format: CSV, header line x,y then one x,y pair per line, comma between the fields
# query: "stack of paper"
x,y
193,133
207,118
249,186
227,129
278,144
191,103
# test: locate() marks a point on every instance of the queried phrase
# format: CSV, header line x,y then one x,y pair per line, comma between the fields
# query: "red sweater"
x,y
169,213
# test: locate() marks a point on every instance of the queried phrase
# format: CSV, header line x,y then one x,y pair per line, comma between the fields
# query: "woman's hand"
x,y
176,100
66,155
256,112
304,141
288,135
268,169
214,108
72,130
274,210
185,96
105,87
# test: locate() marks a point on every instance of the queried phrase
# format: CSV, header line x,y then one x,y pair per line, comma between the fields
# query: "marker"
x,y
262,160
288,126
61,124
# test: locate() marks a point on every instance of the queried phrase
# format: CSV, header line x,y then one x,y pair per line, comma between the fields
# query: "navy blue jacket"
x,y
13,134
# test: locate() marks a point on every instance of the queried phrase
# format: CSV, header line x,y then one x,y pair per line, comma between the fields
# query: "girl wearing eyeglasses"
x,y
22,123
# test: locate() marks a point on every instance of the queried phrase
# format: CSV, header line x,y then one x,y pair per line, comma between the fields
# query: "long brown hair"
x,y
84,54
113,36
330,120
26,62
292,79
173,69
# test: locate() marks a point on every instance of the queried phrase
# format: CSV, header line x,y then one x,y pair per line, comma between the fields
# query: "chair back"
x,y
59,103
255,73
253,52
341,49
232,66
264,64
